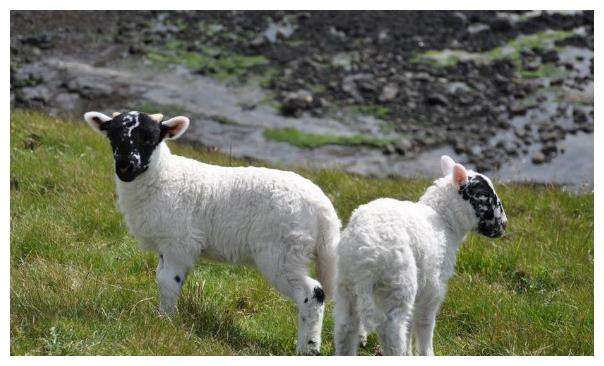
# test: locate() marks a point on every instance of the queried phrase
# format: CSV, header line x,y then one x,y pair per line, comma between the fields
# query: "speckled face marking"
x,y
480,193
133,138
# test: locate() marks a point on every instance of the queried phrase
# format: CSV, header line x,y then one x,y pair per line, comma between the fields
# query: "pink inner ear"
x,y
175,129
97,121
460,174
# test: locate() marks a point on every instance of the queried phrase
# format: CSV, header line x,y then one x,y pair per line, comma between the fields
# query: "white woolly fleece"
x,y
276,220
394,261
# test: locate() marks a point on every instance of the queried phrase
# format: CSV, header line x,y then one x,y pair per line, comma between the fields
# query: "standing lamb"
x,y
183,209
395,258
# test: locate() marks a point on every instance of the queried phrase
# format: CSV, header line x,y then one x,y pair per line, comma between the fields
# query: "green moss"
x,y
377,111
545,70
310,140
511,50
210,61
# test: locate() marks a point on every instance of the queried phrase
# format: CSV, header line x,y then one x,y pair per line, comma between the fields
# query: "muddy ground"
x,y
510,93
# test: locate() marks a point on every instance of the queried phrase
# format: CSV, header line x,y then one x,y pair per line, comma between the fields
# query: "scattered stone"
x,y
65,101
258,42
294,103
579,116
389,149
437,100
517,109
550,56
34,95
248,106
137,50
43,41
538,158
587,128
549,149
404,147
389,92
501,25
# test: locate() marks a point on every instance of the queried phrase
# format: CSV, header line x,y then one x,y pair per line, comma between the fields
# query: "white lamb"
x,y
395,258
183,209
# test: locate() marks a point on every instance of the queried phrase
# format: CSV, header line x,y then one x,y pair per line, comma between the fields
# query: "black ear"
x,y
174,127
97,120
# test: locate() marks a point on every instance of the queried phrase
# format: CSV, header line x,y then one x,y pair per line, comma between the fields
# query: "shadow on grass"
x,y
215,320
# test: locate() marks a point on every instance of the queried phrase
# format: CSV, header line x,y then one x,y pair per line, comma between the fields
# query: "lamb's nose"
x,y
124,167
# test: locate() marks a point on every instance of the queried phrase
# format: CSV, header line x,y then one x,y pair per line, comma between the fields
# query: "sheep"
x,y
395,258
183,209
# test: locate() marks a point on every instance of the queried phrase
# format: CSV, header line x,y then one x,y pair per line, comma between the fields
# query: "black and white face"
x,y
134,136
479,192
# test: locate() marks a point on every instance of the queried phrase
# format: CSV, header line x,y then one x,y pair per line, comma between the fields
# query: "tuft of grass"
x,y
377,111
312,140
80,286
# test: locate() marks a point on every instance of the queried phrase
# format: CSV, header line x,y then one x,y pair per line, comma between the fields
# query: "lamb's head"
x,y
134,137
478,194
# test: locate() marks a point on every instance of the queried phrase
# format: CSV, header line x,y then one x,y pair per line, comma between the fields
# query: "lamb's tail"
x,y
329,237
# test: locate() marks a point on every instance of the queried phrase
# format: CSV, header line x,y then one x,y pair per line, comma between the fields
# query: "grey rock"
x,y
579,116
389,92
34,94
437,100
295,102
538,158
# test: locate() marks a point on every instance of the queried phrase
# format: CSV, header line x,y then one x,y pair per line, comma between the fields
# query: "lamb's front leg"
x,y
170,276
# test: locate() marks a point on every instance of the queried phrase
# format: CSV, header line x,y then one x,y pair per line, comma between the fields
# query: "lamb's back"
x,y
387,233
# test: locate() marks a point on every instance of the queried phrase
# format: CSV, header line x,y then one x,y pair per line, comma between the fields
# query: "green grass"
x,y
512,51
312,140
80,286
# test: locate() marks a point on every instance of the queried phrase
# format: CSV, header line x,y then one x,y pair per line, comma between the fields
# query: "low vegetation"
x,y
312,140
512,51
80,286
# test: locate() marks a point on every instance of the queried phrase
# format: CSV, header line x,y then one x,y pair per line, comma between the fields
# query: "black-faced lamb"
x,y
395,258
183,209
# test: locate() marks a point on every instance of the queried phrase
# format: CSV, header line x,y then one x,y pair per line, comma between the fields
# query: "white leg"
x,y
347,322
310,300
410,337
290,277
393,332
170,276
423,328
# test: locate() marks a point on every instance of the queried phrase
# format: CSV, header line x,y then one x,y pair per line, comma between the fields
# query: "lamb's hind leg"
x,y
347,321
394,331
423,326
289,273
170,275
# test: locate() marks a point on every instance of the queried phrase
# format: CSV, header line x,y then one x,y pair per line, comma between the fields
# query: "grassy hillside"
x,y
79,285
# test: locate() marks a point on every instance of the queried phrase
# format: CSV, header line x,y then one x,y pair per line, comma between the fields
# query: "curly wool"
x,y
394,261
276,220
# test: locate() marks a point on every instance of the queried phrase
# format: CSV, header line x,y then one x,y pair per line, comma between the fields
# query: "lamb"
x,y
395,258
183,209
